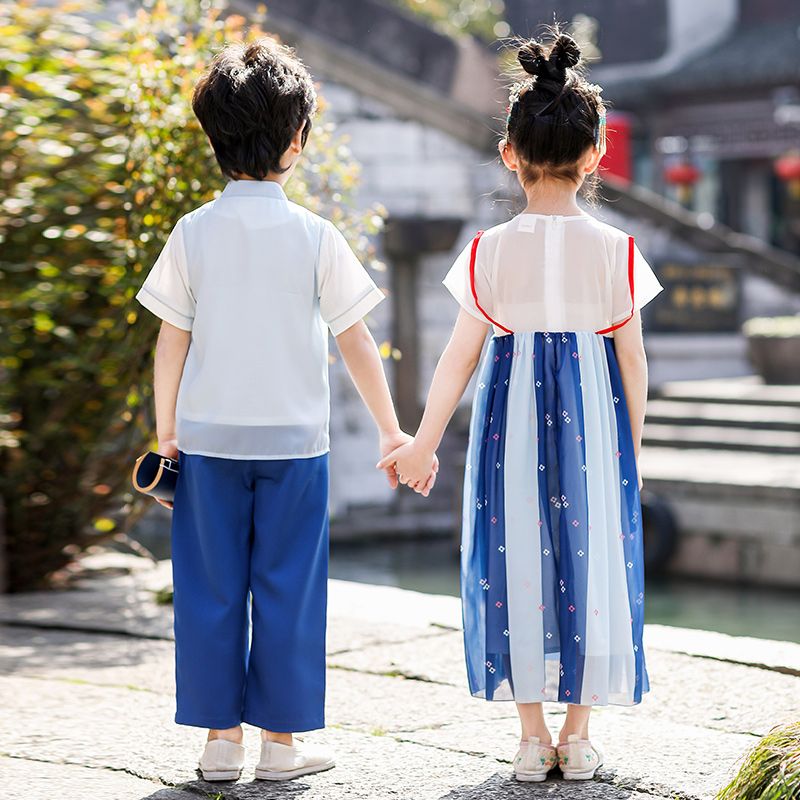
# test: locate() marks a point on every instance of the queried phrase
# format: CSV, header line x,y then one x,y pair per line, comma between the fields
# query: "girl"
x,y
552,577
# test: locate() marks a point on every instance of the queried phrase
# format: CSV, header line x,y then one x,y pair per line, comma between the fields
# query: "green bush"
x,y
99,156
771,770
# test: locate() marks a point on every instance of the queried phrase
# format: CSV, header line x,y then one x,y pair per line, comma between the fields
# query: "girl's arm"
x,y
632,362
364,363
412,461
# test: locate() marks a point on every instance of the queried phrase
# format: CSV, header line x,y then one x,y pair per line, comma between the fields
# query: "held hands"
x,y
390,442
412,465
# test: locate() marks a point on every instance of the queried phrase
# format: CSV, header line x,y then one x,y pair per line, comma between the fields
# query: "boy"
x,y
248,286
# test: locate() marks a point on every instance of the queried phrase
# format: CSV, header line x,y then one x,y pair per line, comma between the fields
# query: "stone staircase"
x,y
725,458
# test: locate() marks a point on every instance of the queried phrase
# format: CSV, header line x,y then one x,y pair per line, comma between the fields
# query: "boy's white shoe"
x,y
281,762
578,759
222,760
534,760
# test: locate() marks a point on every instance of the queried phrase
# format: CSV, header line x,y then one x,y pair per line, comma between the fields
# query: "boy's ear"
x,y
296,145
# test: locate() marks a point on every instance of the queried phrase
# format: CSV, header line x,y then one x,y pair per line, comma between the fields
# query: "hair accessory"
x,y
600,130
540,114
516,95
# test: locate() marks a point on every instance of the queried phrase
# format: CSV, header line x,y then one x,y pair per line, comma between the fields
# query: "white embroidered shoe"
x,y
534,760
578,759
282,762
222,761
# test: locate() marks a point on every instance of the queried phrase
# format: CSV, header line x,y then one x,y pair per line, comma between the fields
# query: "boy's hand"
x,y
414,466
389,443
168,448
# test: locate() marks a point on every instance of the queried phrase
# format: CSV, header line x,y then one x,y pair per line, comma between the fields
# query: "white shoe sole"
x,y
586,775
215,775
287,775
535,777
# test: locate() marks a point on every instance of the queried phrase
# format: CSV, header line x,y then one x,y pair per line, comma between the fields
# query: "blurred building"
x,y
721,94
705,99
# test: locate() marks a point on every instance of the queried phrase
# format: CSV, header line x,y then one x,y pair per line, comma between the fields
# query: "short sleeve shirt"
x,y
259,282
552,273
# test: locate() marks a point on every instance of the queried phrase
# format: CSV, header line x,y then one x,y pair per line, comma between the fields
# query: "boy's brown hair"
x,y
251,101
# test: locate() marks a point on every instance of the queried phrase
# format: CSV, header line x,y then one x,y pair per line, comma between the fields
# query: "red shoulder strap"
x,y
630,287
480,308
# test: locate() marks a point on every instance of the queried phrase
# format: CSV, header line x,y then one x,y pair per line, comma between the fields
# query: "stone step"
x,y
777,417
716,437
736,513
728,473
750,390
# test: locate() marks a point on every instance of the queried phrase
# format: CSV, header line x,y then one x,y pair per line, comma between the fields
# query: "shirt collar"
x,y
269,189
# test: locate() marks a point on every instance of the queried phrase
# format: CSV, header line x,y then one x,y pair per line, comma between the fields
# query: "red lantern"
x,y
617,163
683,175
787,168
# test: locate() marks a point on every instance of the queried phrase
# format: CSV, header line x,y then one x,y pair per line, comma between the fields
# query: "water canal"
x,y
431,566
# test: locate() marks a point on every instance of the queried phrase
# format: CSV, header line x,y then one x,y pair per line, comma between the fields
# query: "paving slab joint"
x,y
779,668
67,628
98,767
445,630
391,673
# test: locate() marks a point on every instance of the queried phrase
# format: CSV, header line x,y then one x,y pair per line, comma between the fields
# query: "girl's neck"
x,y
552,197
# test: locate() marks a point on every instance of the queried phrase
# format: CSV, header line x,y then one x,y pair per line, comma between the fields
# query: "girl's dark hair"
x,y
251,101
554,113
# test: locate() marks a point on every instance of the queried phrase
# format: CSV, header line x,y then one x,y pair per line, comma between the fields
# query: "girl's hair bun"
x,y
565,52
552,64
532,58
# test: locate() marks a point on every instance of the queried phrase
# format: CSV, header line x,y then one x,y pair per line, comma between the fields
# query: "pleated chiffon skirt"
x,y
552,576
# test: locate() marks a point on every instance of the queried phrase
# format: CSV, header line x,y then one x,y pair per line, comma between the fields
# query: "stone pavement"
x,y
87,683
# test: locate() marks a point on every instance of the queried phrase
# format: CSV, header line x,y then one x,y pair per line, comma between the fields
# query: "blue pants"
x,y
250,538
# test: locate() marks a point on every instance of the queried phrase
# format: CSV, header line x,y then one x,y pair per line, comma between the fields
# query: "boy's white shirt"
x,y
258,281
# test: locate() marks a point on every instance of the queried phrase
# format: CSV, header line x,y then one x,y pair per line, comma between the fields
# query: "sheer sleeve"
x,y
346,291
457,282
166,291
632,289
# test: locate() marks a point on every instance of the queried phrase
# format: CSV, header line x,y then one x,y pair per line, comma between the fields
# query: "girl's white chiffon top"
x,y
553,273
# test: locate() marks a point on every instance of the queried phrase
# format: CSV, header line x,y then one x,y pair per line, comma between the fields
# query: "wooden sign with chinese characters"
x,y
703,296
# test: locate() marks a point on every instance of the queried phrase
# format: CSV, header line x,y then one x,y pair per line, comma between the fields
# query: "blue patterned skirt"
x,y
552,578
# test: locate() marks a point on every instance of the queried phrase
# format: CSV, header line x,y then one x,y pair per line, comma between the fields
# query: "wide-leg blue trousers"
x,y
250,539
